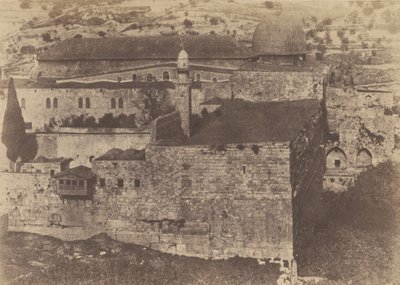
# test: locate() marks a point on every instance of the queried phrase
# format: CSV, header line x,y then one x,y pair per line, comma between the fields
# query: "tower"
x,y
183,92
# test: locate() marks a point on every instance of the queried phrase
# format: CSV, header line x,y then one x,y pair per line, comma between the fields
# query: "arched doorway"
x,y
364,158
336,159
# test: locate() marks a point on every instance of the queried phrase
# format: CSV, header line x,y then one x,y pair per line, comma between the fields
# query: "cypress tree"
x,y
13,136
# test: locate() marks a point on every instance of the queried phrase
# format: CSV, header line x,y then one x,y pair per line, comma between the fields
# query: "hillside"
x,y
37,24
33,259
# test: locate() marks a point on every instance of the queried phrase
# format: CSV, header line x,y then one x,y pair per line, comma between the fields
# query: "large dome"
x,y
279,36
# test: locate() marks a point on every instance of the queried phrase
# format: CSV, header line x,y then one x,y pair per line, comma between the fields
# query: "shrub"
x,y
214,21
255,148
240,147
25,4
388,111
187,23
269,4
55,12
327,21
46,37
101,34
78,36
29,49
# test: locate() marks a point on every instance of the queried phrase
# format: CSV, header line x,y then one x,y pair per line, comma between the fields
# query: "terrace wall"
x,y
276,86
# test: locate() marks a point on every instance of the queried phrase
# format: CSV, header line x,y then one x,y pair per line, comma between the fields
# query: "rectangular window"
x,y
337,162
68,182
74,182
38,171
137,183
52,172
61,181
81,183
244,169
120,183
102,182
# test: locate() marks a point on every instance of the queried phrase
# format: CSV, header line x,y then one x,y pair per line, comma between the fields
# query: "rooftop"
x,y
80,171
119,154
44,83
279,35
150,47
43,159
238,121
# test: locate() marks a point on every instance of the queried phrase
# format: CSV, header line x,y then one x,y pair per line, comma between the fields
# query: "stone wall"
x,y
83,147
307,171
277,86
359,125
34,109
196,201
165,126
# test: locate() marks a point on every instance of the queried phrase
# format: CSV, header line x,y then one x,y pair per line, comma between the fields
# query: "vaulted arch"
x,y
364,158
336,159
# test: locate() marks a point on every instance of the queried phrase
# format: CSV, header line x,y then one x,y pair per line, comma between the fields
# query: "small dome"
x,y
279,36
183,55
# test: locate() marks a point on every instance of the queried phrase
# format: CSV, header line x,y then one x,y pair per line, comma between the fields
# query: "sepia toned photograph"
x,y
200,142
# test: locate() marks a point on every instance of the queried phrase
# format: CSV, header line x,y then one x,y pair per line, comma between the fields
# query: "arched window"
x,y
215,79
149,77
198,77
364,158
165,75
113,103
48,103
87,103
336,158
134,77
55,103
120,103
80,103
119,79
23,103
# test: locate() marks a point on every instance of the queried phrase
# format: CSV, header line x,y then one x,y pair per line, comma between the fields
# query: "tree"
x,y
154,104
13,136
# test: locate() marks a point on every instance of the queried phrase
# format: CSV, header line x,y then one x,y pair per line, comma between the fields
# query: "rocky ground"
x,y
33,259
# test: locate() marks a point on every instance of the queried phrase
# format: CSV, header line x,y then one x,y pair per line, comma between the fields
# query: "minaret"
x,y
183,92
